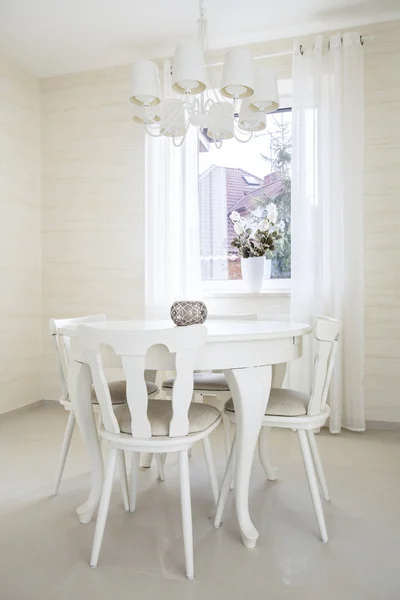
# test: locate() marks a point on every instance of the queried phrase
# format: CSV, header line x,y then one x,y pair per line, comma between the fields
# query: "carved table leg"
x,y
79,388
250,392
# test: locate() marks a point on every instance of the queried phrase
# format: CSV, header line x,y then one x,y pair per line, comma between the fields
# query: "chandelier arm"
x,y
191,107
243,141
183,138
236,129
208,104
178,144
196,105
149,132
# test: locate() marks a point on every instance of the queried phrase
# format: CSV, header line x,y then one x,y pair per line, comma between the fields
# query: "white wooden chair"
x,y
154,426
214,383
117,388
302,413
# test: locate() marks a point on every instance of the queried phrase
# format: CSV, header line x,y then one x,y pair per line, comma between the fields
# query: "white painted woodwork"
x,y
326,338
186,508
312,482
104,505
252,346
61,346
264,455
213,392
250,392
134,480
132,345
123,477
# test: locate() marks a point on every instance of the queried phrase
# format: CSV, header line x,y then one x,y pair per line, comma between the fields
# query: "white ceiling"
x,y
51,37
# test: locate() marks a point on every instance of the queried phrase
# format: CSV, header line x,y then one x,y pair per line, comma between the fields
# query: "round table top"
x,y
217,330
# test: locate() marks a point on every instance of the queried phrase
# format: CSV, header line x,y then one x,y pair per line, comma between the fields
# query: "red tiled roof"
x,y
236,186
273,186
238,191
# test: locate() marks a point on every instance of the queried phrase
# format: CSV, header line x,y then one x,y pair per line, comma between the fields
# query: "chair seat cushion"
x,y
159,412
118,391
282,403
212,382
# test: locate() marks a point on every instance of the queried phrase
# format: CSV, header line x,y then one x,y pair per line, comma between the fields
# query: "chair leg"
x,y
211,468
98,426
64,452
135,462
318,464
227,431
312,482
104,504
147,459
225,485
160,460
123,478
187,524
263,453
195,398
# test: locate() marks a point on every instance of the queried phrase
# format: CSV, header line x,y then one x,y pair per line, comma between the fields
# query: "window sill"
x,y
235,289
243,294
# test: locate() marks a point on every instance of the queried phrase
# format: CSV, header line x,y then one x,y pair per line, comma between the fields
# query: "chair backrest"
x,y
132,345
61,344
235,317
326,339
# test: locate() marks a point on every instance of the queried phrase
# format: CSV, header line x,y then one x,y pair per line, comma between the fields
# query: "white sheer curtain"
x,y
327,210
172,224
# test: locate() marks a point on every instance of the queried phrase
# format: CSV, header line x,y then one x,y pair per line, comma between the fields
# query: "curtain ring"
x,y
361,40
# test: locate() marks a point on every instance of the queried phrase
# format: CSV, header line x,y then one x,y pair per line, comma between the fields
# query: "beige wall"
x,y
20,256
382,224
93,206
92,202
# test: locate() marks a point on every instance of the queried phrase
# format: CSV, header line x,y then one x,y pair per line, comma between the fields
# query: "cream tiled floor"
x,y
44,550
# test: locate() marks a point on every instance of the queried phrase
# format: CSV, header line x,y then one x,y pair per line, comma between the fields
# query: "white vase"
x,y
267,268
253,273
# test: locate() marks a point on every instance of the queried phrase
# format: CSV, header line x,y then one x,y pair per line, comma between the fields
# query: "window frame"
x,y
220,287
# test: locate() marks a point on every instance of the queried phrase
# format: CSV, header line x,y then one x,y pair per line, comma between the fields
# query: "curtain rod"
x,y
363,39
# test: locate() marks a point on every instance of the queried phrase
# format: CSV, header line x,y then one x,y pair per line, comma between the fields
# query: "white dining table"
x,y
249,348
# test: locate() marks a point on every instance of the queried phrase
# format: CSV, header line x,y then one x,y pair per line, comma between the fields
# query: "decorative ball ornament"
x,y
188,312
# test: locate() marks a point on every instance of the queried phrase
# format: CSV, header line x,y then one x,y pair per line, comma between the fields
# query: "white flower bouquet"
x,y
262,240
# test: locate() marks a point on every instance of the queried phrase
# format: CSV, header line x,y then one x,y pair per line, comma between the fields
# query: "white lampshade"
x,y
237,74
250,120
172,118
146,115
145,84
266,97
221,121
188,69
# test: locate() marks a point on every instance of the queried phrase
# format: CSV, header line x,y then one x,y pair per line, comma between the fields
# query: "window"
x,y
244,178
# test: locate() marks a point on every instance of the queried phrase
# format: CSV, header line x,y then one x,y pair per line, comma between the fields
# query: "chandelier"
x,y
235,109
